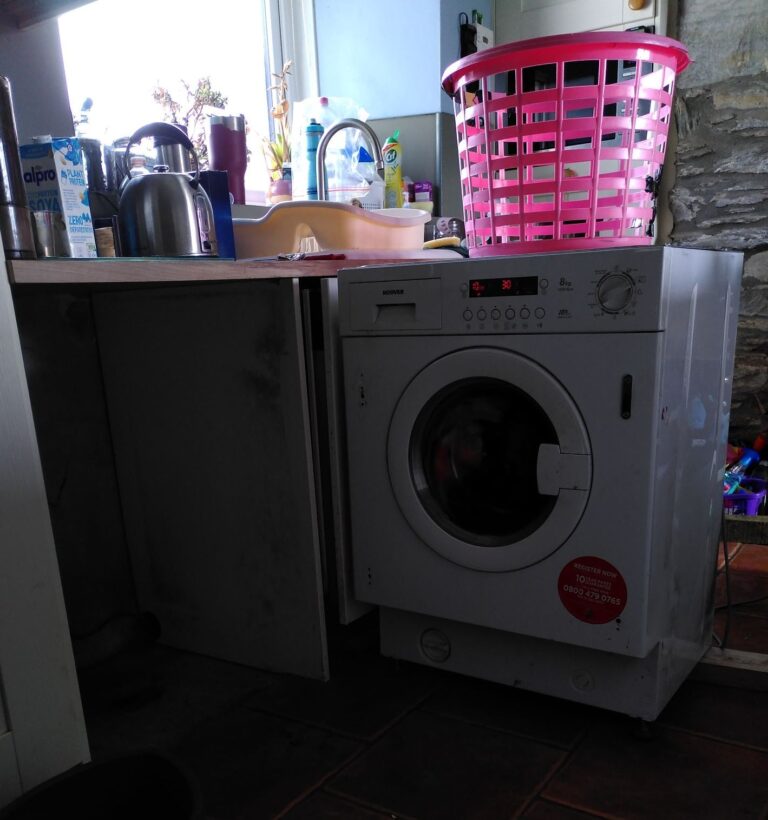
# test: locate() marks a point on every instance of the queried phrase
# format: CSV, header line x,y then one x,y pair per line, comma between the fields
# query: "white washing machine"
x,y
535,450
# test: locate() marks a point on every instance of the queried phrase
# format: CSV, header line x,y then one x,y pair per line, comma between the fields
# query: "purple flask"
x,y
228,152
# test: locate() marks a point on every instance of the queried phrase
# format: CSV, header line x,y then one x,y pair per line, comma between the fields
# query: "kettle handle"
x,y
166,130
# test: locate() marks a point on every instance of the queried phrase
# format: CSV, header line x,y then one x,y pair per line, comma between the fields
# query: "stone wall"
x,y
720,197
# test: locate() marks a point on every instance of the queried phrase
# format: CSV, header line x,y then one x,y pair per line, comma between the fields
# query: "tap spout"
x,y
373,144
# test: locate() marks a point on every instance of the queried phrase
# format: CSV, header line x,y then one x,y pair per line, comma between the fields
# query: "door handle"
x,y
557,471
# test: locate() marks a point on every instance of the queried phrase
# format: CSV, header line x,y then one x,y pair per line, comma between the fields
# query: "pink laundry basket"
x,y
562,140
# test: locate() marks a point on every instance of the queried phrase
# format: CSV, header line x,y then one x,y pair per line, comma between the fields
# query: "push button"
x,y
525,313
495,314
467,315
539,312
482,315
509,313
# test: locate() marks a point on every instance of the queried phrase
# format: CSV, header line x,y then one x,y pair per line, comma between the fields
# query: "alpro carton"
x,y
55,180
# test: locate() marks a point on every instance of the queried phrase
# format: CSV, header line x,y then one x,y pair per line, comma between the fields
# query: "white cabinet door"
x,y
42,731
523,19
206,390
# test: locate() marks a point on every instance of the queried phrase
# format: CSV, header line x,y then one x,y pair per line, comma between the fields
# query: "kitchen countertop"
x,y
148,270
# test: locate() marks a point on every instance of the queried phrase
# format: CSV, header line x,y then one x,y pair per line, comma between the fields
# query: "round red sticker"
x,y
592,590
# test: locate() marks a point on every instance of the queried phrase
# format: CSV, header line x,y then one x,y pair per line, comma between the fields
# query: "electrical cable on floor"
x,y
743,603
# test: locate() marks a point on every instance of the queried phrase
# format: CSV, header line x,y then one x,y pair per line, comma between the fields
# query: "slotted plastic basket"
x,y
562,140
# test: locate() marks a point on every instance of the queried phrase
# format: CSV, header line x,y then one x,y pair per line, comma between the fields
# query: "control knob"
x,y
615,291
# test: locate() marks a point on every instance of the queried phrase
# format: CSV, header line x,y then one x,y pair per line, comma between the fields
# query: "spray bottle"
x,y
393,172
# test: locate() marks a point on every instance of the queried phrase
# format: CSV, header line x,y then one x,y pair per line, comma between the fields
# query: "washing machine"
x,y
535,455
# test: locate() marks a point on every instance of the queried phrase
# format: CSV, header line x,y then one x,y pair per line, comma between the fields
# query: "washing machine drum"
x,y
489,459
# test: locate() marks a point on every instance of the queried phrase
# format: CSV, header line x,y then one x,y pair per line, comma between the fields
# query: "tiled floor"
x,y
747,620
390,739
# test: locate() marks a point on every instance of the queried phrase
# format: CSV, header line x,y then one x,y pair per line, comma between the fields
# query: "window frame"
x,y
291,31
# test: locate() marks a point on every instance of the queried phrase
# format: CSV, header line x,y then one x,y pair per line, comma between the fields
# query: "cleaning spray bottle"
x,y
393,172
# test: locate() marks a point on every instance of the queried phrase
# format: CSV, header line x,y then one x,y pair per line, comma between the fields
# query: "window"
x,y
116,55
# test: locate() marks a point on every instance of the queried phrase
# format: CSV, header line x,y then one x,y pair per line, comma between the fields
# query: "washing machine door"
x,y
489,459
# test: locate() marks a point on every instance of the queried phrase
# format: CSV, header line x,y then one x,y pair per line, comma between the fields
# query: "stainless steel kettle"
x,y
164,213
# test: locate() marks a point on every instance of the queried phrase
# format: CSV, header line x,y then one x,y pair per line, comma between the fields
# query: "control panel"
x,y
605,297
508,302
604,291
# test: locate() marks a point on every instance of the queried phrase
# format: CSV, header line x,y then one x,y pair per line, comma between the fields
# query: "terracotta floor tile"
x,y
745,585
752,557
545,810
739,715
361,701
511,710
747,633
151,698
429,766
674,775
253,765
321,806
426,745
748,597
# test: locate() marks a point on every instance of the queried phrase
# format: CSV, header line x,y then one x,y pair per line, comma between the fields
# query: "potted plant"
x,y
191,114
277,151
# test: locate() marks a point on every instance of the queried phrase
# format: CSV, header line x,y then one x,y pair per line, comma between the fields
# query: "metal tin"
x,y
15,222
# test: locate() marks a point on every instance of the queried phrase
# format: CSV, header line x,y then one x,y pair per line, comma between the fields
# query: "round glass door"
x,y
489,459
474,455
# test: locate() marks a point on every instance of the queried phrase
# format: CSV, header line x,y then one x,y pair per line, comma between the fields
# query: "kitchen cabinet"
x,y
42,731
524,19
190,448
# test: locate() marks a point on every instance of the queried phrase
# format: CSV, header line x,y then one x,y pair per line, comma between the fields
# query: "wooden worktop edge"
x,y
136,271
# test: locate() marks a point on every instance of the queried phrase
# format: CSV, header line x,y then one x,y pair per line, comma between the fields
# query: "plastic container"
x,y
333,225
562,139
747,499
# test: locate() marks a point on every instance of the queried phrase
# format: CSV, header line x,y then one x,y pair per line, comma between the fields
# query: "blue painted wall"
x,y
389,56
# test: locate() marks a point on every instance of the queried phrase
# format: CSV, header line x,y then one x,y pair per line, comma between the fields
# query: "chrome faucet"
x,y
373,144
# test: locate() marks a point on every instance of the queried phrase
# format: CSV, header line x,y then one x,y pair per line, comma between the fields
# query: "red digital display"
x,y
519,286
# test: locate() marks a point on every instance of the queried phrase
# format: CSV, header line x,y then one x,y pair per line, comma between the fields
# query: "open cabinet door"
x,y
207,399
42,731
320,304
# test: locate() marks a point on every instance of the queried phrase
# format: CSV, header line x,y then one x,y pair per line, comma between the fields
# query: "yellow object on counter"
x,y
443,242
393,172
